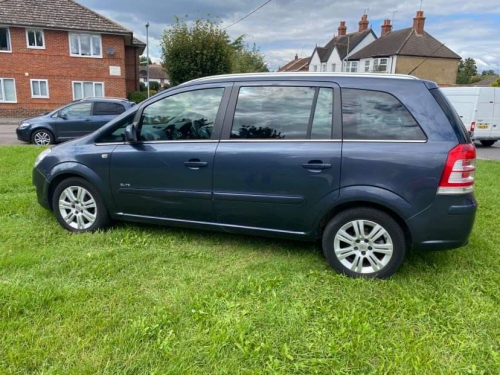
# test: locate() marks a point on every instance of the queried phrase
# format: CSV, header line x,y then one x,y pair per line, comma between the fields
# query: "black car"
x,y
370,164
74,120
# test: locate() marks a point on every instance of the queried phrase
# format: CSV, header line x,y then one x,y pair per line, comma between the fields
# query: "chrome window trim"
x,y
159,142
387,140
280,140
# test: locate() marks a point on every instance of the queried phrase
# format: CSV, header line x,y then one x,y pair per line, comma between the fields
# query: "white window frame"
x,y
323,67
367,66
315,68
376,64
9,40
2,88
39,96
93,88
80,48
350,65
334,67
28,41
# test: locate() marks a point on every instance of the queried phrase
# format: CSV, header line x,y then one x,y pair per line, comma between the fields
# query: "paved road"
x,y
8,137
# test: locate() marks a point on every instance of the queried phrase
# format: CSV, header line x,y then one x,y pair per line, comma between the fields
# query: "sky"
x,y
283,28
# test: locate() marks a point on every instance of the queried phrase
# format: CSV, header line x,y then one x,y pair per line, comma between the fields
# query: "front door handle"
x,y
316,165
195,164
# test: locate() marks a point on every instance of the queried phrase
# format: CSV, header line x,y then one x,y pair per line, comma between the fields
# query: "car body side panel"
x,y
410,170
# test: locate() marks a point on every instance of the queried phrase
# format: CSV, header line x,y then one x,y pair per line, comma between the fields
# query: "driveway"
x,y
8,137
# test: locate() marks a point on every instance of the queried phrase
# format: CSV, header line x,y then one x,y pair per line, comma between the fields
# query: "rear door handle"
x,y
195,164
312,165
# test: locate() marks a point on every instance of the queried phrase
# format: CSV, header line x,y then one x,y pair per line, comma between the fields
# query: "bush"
x,y
140,96
143,86
153,85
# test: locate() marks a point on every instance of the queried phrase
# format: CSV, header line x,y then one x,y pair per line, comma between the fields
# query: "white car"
x,y
479,109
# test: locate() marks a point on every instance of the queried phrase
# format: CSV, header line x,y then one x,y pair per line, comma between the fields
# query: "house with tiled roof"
x,y
156,74
55,51
335,55
409,51
298,64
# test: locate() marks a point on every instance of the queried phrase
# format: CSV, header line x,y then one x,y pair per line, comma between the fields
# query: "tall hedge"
x,y
197,50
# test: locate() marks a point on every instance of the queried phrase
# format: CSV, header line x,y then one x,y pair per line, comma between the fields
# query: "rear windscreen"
x,y
452,115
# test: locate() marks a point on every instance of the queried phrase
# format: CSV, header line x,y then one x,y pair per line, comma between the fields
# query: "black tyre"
x,y
42,137
487,143
364,242
78,206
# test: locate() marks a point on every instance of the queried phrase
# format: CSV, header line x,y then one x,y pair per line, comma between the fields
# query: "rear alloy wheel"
x,y
78,207
487,143
364,242
42,138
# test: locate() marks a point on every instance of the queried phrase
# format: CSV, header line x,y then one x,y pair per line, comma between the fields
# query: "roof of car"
x,y
296,76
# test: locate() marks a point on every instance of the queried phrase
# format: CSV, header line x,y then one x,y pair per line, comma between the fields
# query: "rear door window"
x,y
282,113
375,115
108,109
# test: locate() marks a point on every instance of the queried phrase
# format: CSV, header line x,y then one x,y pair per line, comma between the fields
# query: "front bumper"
x,y
446,224
23,134
42,189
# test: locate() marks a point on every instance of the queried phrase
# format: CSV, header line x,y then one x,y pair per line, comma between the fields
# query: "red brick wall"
x,y
55,64
132,68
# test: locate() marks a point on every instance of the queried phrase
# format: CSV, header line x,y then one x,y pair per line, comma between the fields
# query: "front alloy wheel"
x,y
78,206
42,138
364,242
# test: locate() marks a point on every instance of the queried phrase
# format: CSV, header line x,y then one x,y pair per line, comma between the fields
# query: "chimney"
x,y
342,28
296,57
419,22
363,24
386,28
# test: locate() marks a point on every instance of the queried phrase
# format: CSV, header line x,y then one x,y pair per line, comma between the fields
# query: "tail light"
x,y
472,126
458,174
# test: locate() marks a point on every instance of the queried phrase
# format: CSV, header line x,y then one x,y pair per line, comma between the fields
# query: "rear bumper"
x,y
446,224
42,189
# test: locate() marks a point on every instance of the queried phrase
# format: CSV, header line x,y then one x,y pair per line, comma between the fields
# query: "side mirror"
x,y
63,116
131,134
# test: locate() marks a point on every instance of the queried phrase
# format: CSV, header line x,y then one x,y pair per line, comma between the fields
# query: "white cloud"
x,y
285,27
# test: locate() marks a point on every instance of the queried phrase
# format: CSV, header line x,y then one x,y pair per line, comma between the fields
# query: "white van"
x,y
479,109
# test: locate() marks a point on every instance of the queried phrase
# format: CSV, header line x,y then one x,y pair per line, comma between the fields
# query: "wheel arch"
x,y
67,170
44,128
371,197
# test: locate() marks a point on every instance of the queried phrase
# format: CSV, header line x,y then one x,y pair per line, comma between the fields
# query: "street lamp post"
x,y
147,61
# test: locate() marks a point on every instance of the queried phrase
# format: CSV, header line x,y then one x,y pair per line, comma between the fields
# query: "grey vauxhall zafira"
x,y
369,164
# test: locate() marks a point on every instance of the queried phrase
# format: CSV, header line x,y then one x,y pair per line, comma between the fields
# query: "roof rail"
x,y
104,97
308,74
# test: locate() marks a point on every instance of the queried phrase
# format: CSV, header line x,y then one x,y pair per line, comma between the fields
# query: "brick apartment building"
x,y
55,51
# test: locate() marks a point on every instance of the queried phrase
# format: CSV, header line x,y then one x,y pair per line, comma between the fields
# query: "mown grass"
x,y
143,299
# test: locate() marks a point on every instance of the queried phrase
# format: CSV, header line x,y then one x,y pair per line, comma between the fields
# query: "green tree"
x,y
467,69
496,83
245,59
194,51
143,60
487,73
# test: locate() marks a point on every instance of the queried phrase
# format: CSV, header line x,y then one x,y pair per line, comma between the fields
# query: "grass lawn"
x,y
142,299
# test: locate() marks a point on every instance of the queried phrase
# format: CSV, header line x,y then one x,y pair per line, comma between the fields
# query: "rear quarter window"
x,y
375,115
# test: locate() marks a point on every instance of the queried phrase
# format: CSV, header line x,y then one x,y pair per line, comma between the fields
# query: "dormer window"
x,y
5,40
35,39
85,45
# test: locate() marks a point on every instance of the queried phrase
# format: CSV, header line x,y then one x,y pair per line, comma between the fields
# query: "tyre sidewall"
x,y
102,219
377,216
